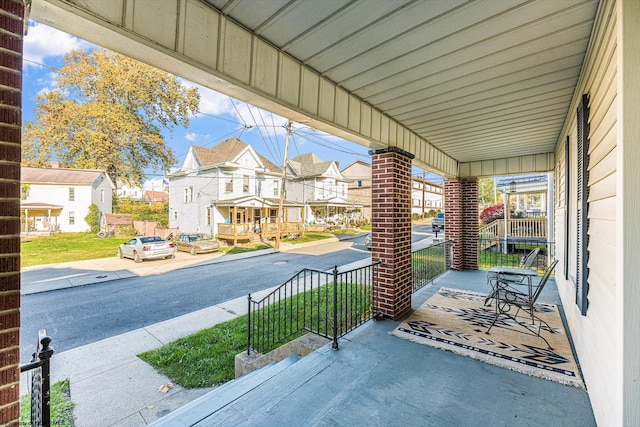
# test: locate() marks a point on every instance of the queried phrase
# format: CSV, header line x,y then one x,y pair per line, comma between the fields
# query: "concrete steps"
x,y
208,405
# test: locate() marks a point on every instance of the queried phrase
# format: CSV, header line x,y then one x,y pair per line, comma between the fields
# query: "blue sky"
x,y
221,117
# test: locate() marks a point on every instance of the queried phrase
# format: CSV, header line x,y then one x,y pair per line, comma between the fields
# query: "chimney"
x,y
56,164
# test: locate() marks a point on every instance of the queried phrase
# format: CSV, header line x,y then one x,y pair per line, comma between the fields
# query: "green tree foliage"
x,y
108,113
143,211
486,191
93,218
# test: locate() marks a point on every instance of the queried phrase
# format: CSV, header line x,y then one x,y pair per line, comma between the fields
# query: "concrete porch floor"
x,y
378,379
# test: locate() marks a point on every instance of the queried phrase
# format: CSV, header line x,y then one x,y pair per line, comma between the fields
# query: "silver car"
x,y
146,247
368,241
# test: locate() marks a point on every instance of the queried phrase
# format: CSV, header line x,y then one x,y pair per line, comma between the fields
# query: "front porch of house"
x,y
256,219
379,379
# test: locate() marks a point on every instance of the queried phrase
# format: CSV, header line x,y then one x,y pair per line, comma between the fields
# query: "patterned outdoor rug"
x,y
457,321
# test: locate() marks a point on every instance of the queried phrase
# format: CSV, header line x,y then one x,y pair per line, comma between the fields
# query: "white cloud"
x,y
44,42
191,136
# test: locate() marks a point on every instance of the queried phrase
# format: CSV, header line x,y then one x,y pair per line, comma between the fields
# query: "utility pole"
x,y
424,180
284,178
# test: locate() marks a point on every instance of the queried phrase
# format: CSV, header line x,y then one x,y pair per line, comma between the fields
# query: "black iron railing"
x,y
329,304
499,252
40,381
429,263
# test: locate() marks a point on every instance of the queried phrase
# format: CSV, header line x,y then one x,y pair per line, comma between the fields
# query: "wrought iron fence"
x,y
510,252
429,263
40,381
329,304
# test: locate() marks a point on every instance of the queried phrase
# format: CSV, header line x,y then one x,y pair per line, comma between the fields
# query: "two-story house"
x,y
58,199
128,191
320,186
425,196
229,191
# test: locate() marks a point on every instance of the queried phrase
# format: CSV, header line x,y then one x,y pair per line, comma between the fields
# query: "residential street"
x,y
80,315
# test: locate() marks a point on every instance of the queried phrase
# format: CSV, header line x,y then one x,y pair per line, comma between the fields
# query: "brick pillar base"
x,y
12,24
461,207
391,218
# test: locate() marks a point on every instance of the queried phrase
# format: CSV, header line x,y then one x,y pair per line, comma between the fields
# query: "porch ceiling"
x,y
478,80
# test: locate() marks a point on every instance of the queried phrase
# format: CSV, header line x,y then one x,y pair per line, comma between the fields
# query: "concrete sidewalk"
x,y
110,385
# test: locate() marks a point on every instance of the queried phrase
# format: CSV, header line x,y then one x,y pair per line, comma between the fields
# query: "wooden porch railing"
x,y
523,228
247,231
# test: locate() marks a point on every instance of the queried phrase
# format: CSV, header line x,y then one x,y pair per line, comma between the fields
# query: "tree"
x,y
486,191
108,113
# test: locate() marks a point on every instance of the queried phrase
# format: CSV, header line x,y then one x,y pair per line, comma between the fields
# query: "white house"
x,y
229,191
58,199
320,186
127,191
425,196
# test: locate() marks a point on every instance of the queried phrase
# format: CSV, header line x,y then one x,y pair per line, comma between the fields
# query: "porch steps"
x,y
207,405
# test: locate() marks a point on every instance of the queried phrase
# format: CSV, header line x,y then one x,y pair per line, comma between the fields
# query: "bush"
x,y
93,218
490,214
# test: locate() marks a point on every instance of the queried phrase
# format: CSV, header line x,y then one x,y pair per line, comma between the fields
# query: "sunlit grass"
x,y
66,247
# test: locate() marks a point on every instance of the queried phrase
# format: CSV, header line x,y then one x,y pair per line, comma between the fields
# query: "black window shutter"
x,y
582,257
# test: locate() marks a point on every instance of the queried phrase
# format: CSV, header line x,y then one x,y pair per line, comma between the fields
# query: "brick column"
x,y
391,230
461,207
12,24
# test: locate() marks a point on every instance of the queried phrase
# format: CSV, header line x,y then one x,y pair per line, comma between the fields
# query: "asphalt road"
x,y
78,316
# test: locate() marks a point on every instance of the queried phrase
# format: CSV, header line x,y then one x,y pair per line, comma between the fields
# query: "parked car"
x,y
367,241
438,222
196,243
146,247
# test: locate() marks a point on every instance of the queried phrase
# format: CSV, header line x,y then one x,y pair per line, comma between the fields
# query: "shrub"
x,y
490,214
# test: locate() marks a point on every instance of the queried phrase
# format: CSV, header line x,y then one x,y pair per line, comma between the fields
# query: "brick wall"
x,y
461,207
391,232
11,22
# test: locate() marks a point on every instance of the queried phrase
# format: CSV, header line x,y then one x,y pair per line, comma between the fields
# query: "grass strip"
x,y
61,406
207,358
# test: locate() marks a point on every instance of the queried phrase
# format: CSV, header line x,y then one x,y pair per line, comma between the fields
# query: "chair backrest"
x,y
543,281
528,260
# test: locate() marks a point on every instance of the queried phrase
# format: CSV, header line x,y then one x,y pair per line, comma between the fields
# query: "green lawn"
x,y
66,247
207,358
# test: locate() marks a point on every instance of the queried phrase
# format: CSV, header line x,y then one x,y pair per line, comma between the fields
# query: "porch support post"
x,y
12,25
461,227
391,230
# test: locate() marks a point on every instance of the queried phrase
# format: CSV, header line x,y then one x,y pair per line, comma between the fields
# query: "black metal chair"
x,y
526,263
511,295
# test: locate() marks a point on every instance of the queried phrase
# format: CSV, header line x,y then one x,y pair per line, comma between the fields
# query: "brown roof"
x,y
156,196
227,151
118,219
59,175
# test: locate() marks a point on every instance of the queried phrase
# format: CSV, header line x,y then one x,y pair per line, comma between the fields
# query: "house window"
x,y
188,195
229,186
72,218
102,195
72,194
359,183
24,191
275,187
245,183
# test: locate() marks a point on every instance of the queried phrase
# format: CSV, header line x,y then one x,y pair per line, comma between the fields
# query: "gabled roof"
x,y
308,165
66,176
227,151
